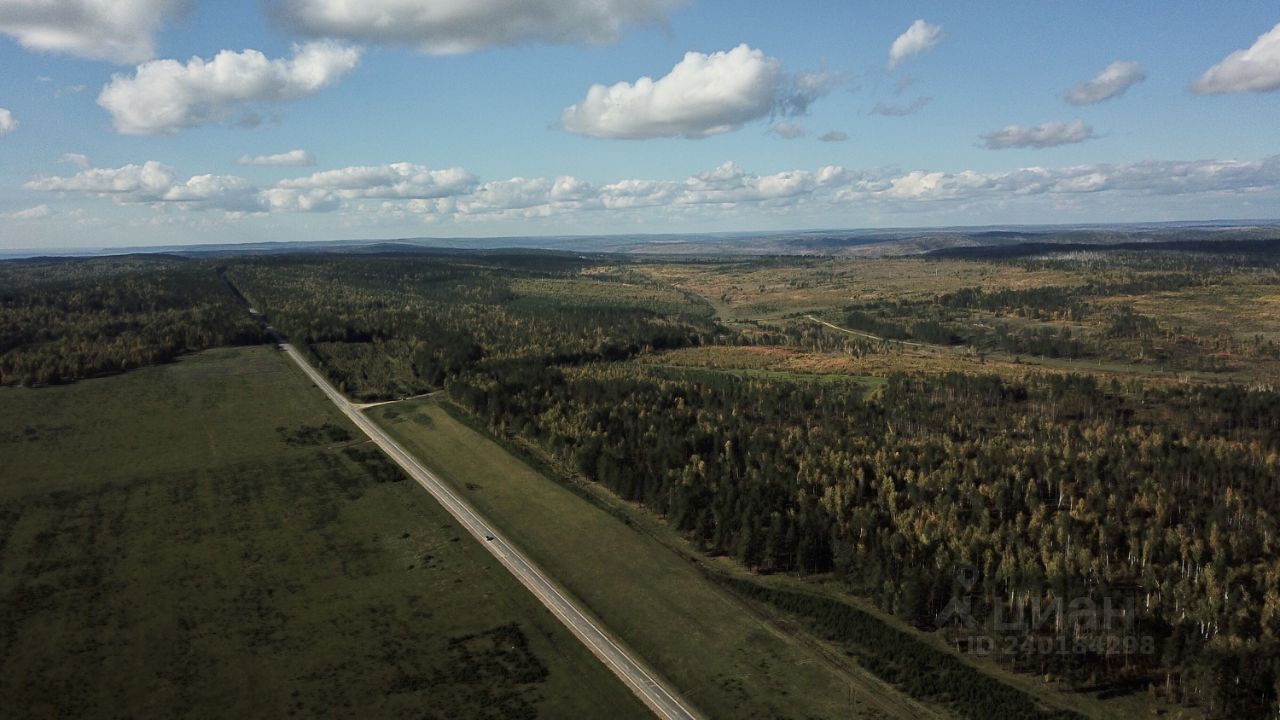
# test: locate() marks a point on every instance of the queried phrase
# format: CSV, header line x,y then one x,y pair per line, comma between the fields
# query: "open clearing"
x,y
209,539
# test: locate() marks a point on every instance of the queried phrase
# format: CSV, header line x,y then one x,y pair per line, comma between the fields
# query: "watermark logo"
x,y
1054,625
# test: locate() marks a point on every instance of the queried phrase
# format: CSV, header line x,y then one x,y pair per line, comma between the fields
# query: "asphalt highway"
x,y
660,699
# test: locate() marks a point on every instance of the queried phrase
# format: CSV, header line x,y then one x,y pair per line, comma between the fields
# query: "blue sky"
x,y
462,118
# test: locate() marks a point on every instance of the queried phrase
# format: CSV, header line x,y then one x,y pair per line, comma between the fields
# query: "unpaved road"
x,y
661,700
869,336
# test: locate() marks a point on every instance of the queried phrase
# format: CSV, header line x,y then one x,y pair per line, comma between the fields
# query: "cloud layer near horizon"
x,y
453,194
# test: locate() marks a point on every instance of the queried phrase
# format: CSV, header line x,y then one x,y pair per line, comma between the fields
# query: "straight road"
x,y
869,336
662,701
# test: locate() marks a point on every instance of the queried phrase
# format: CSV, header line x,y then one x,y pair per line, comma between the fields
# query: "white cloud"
x,y
525,197
300,200
1040,136
445,27
38,212
404,190
326,190
165,96
8,123
116,30
910,108
787,130
225,192
1111,82
396,180
703,95
79,160
149,180
918,38
1256,68
154,182
294,158
834,136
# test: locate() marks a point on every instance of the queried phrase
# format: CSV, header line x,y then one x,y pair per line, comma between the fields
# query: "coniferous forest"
x,y
63,320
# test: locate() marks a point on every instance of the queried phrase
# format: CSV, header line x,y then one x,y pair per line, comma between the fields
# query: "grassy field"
x,y
764,289
209,539
721,655
1222,322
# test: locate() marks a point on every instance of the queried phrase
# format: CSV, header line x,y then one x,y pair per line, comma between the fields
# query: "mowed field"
x,y
724,657
211,539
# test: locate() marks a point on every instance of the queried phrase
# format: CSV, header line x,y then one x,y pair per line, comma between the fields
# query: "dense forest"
x,y
398,325
63,320
1052,488
1008,492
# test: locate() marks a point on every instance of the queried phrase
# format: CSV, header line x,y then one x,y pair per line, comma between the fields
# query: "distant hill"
x,y
837,243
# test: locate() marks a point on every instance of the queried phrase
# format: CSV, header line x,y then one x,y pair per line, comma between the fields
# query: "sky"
x,y
168,122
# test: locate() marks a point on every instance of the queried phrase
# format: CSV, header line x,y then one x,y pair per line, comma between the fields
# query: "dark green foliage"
x,y
375,463
921,670
1059,487
1239,251
63,320
388,326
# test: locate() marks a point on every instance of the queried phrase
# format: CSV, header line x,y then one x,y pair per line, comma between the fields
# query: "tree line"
x,y
63,320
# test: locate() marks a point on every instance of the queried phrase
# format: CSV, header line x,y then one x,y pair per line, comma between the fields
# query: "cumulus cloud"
x,y
38,212
703,95
1111,82
920,37
446,27
404,190
294,158
1256,68
326,190
910,108
834,136
151,179
1140,178
1040,136
154,182
116,30
524,197
164,96
8,123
